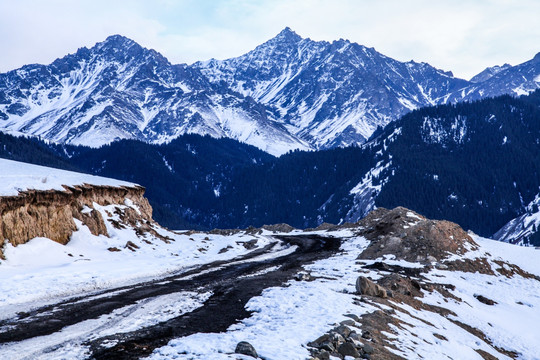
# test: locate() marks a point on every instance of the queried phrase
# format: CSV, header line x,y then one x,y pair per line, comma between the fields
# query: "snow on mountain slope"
x,y
524,229
489,73
516,80
118,90
17,176
330,94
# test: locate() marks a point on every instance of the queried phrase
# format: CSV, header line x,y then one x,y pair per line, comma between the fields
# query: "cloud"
x,y
462,36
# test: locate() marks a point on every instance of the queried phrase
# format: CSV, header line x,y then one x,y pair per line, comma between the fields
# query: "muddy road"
x,y
232,284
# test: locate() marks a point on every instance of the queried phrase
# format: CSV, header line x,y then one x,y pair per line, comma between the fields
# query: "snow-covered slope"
x,y
476,303
432,289
489,72
17,176
516,80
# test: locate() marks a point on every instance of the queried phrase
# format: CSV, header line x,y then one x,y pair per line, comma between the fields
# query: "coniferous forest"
x,y
477,164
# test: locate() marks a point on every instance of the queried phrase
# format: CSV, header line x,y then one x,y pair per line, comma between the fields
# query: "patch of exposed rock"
x,y
282,228
50,214
409,236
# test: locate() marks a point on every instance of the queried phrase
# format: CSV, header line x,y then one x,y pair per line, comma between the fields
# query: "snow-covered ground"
x,y
286,318
17,176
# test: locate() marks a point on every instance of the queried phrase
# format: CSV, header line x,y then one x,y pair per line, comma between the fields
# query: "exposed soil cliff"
x,y
51,213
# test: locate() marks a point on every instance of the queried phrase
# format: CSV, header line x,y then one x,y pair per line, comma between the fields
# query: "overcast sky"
x,y
457,35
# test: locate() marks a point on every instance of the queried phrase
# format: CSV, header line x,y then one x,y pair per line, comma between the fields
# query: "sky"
x,y
461,36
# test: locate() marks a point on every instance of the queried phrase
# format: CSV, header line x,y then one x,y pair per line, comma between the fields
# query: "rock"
x,y
343,330
283,228
302,276
357,344
328,346
393,241
353,316
426,240
416,284
354,335
368,349
348,322
246,348
364,286
337,338
131,246
324,355
484,300
348,349
321,339
50,213
441,266
366,356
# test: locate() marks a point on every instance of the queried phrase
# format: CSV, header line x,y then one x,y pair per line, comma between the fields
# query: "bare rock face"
x,y
50,213
410,236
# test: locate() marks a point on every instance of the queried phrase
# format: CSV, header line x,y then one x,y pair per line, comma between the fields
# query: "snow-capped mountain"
x,y
516,80
489,73
288,93
118,89
330,94
524,229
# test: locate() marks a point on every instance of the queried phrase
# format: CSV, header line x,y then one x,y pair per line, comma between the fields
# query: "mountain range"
x,y
288,93
476,163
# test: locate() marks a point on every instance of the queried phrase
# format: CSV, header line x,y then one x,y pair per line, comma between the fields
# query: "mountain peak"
x,y
288,34
118,40
489,72
124,49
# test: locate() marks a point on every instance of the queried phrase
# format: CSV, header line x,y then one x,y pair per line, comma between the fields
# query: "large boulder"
x,y
364,286
246,348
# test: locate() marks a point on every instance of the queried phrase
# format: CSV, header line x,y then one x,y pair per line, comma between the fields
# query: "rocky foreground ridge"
x,y
407,276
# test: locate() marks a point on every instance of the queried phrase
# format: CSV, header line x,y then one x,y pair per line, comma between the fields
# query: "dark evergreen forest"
x,y
477,164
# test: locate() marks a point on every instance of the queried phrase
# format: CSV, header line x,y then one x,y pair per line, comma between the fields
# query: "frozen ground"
x,y
43,271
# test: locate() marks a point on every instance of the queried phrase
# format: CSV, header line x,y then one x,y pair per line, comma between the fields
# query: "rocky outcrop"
x,y
51,213
409,236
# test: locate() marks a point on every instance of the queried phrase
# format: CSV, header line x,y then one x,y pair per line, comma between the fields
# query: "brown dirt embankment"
x,y
50,214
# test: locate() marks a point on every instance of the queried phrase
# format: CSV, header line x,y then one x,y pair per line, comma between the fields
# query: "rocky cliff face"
x,y
51,213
